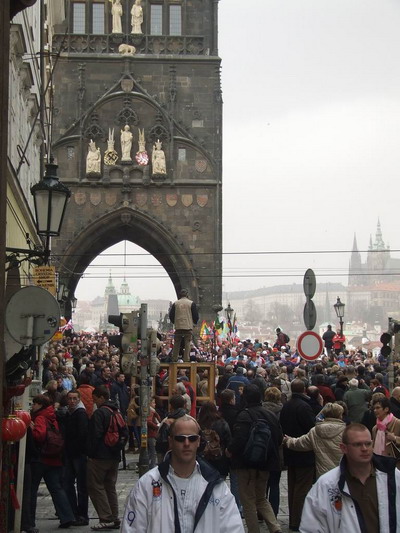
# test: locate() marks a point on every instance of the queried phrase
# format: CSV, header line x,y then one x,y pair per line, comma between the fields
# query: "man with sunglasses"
x,y
362,494
183,494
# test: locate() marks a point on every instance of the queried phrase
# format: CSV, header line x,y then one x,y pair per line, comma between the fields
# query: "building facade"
x,y
137,136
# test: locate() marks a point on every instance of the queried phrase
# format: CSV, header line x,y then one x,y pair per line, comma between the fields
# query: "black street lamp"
x,y
339,309
50,199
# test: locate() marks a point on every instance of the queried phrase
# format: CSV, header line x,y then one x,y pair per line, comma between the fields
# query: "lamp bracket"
x,y
36,256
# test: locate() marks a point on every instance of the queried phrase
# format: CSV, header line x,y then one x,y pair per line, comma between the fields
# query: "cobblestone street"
x,y
47,521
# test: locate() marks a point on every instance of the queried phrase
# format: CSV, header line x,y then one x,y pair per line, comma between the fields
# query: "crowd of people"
x,y
313,410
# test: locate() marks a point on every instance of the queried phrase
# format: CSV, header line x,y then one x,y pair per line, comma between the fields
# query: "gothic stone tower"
x,y
137,136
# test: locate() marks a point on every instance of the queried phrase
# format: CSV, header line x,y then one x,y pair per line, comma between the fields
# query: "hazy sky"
x,y
311,139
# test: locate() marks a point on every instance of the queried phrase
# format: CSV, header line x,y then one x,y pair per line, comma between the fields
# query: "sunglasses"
x,y
182,438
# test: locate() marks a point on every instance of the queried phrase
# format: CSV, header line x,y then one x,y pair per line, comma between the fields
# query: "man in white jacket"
x,y
183,494
362,494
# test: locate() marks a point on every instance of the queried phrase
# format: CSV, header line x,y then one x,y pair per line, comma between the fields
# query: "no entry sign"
x,y
310,345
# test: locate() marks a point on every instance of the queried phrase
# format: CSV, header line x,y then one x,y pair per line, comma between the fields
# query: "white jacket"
x,y
329,508
150,505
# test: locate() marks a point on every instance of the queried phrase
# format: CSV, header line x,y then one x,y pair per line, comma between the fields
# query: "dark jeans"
x,y
300,480
134,434
273,493
76,469
186,336
235,488
52,476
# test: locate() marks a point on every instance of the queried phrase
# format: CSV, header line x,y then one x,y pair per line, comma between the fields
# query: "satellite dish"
x,y
32,316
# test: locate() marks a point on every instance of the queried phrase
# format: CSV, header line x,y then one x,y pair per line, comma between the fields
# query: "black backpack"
x,y
259,443
162,444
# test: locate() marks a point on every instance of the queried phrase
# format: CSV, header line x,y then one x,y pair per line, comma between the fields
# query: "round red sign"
x,y
310,345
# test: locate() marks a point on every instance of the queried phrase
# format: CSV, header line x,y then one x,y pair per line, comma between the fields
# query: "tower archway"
x,y
139,228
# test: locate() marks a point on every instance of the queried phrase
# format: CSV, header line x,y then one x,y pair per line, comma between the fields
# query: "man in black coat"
x,y
327,337
297,418
120,393
253,481
75,429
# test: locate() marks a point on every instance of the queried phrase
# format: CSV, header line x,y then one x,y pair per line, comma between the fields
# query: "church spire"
x,y
110,289
355,264
379,243
355,247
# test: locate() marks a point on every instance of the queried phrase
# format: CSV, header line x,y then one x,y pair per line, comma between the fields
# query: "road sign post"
x,y
310,312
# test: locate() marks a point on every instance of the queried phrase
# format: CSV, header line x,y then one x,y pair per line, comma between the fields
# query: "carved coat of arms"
x,y
171,199
202,200
80,198
95,197
187,199
156,199
110,198
200,165
141,198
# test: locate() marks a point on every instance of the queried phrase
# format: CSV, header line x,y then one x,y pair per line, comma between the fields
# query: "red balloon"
x,y
13,429
23,415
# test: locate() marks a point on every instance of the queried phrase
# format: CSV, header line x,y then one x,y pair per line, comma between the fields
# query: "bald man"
x,y
183,493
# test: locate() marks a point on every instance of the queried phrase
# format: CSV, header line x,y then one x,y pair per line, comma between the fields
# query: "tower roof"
x,y
110,288
355,247
379,243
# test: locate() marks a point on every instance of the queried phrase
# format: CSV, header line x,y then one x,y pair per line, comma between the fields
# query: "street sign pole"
x,y
310,312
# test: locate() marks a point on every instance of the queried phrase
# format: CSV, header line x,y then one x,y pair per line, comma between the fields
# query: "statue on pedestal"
x,y
126,143
141,157
137,17
93,159
116,12
110,155
158,159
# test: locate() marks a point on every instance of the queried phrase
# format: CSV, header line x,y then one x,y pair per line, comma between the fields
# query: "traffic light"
x,y
386,339
127,340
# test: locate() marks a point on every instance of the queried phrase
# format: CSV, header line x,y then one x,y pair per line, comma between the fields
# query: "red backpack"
x,y
116,435
53,445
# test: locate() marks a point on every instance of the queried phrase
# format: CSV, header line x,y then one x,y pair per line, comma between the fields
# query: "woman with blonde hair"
x,y
324,439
